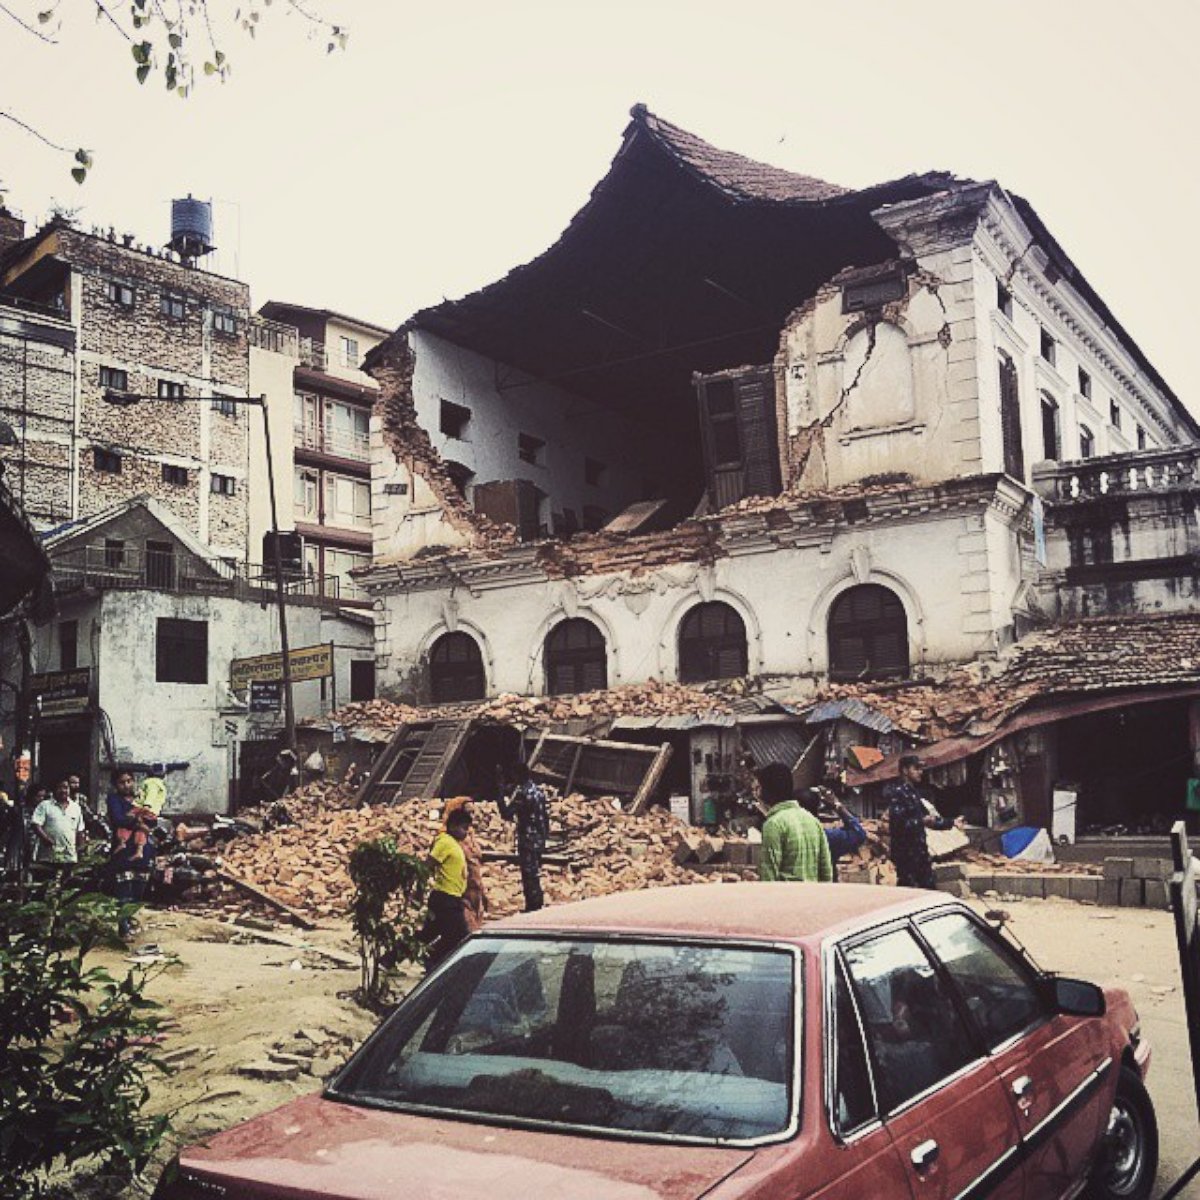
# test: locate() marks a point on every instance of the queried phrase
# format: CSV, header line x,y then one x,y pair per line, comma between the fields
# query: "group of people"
x,y
798,847
45,830
457,898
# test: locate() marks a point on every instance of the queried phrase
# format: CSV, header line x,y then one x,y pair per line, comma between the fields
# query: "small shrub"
x,y
389,895
76,1045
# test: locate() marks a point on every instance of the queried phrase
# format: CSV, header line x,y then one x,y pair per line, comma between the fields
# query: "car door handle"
x,y
925,1155
1023,1088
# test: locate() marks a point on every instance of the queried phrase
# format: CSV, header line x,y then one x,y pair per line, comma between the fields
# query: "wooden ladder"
x,y
435,757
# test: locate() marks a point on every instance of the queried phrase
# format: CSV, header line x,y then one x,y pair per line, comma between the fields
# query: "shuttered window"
x,y
738,424
576,658
868,634
456,669
1010,419
712,644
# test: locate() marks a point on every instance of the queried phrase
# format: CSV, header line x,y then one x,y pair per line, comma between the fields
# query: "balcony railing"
x,y
312,354
341,443
275,336
1131,474
130,568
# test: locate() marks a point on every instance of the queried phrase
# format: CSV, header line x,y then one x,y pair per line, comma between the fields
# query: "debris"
x,y
266,1069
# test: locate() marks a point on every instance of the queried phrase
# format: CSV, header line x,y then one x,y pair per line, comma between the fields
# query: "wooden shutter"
x,y
737,419
1010,419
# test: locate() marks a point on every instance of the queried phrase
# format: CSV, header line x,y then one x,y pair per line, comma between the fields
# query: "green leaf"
x,y
142,72
79,174
210,68
43,17
220,57
176,41
141,52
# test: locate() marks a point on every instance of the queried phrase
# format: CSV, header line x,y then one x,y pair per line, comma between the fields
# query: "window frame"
x,y
1051,411
1004,300
174,475
1047,346
108,378
576,660
454,420
111,458
172,657
224,321
690,647
796,1077
981,1053
225,406
1087,442
172,305
531,449
170,389
350,353
220,484
116,289
1023,967
443,670
1085,383
831,964
1114,413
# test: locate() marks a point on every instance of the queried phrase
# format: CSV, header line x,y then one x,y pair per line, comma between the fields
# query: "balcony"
x,y
336,442
312,354
102,568
1132,474
1120,534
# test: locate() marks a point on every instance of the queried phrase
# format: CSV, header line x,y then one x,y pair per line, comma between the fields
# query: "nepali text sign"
x,y
266,695
308,662
63,693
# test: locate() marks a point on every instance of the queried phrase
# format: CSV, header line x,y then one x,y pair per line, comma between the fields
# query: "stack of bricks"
x,y
1124,883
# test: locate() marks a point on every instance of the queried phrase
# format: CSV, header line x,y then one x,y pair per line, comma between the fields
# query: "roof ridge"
x,y
733,173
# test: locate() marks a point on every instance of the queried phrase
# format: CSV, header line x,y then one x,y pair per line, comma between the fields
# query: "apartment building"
x,y
89,321
307,362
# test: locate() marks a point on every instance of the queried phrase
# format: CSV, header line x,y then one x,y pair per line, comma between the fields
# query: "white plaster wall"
x,y
173,721
908,404
572,428
1077,347
335,330
783,595
270,375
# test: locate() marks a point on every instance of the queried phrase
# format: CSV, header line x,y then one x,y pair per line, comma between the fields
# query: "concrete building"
x,y
136,667
88,316
739,421
308,363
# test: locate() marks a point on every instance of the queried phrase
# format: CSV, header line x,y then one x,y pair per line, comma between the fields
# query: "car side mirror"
x,y
1078,998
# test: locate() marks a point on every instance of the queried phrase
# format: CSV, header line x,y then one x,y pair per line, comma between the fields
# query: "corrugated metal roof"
x,y
681,721
776,743
850,710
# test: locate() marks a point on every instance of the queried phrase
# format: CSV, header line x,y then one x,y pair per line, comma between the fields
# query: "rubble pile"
x,y
653,699
596,848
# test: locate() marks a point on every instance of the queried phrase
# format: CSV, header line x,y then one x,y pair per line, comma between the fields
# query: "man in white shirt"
x,y
57,826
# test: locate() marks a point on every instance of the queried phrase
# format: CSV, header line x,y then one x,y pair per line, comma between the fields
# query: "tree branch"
x,y
37,33
41,137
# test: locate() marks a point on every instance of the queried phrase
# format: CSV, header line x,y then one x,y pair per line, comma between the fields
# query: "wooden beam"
x,y
253,890
651,779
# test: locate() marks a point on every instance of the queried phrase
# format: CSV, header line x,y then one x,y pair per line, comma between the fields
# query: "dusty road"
x,y
235,1000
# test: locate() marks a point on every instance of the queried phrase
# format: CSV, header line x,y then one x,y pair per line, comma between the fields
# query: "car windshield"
x,y
650,1039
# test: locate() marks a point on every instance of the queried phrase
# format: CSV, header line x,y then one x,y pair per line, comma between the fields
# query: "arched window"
x,y
712,644
868,634
1010,418
1051,438
1087,442
456,669
576,658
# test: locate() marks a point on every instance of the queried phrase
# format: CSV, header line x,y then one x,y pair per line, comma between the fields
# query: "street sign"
x,y
1187,936
308,662
62,693
266,695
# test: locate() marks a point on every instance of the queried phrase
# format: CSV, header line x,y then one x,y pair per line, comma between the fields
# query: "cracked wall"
x,y
882,393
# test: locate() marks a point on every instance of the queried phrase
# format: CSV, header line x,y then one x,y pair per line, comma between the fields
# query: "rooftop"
x,y
785,912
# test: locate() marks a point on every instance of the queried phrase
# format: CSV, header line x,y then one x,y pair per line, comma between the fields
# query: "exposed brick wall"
x,y
139,476
150,345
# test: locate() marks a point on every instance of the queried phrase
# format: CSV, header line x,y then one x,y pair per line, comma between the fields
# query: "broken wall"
x,y
589,462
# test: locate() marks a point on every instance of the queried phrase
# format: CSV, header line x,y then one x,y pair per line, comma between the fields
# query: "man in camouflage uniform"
x,y
528,807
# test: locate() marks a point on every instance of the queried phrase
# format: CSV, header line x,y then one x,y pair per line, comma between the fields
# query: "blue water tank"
x,y
191,227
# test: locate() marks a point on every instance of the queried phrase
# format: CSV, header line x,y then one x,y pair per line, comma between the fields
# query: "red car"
x,y
745,1040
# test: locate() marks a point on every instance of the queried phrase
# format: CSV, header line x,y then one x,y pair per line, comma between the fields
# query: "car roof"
x,y
788,912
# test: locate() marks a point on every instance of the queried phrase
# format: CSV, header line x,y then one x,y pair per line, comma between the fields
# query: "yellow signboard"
x,y
308,662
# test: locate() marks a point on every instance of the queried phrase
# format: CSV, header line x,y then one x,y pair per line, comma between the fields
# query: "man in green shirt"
x,y
794,846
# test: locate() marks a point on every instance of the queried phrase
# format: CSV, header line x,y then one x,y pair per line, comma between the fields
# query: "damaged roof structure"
x,y
737,422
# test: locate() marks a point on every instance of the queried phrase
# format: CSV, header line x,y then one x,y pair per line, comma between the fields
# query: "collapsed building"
x,y
739,422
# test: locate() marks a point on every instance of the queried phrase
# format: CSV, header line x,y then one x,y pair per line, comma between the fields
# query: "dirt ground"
x,y
234,999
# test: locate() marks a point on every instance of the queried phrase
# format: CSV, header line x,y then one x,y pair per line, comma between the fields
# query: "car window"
x,y
658,1038
916,1035
853,1099
999,993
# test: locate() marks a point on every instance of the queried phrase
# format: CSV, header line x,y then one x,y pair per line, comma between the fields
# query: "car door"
x,y
859,1159
1053,1067
941,1101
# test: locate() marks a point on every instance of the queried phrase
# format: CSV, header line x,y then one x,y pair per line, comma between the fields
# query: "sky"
x,y
448,143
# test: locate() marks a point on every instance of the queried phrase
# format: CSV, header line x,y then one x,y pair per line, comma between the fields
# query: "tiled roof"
x,y
740,177
1101,654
